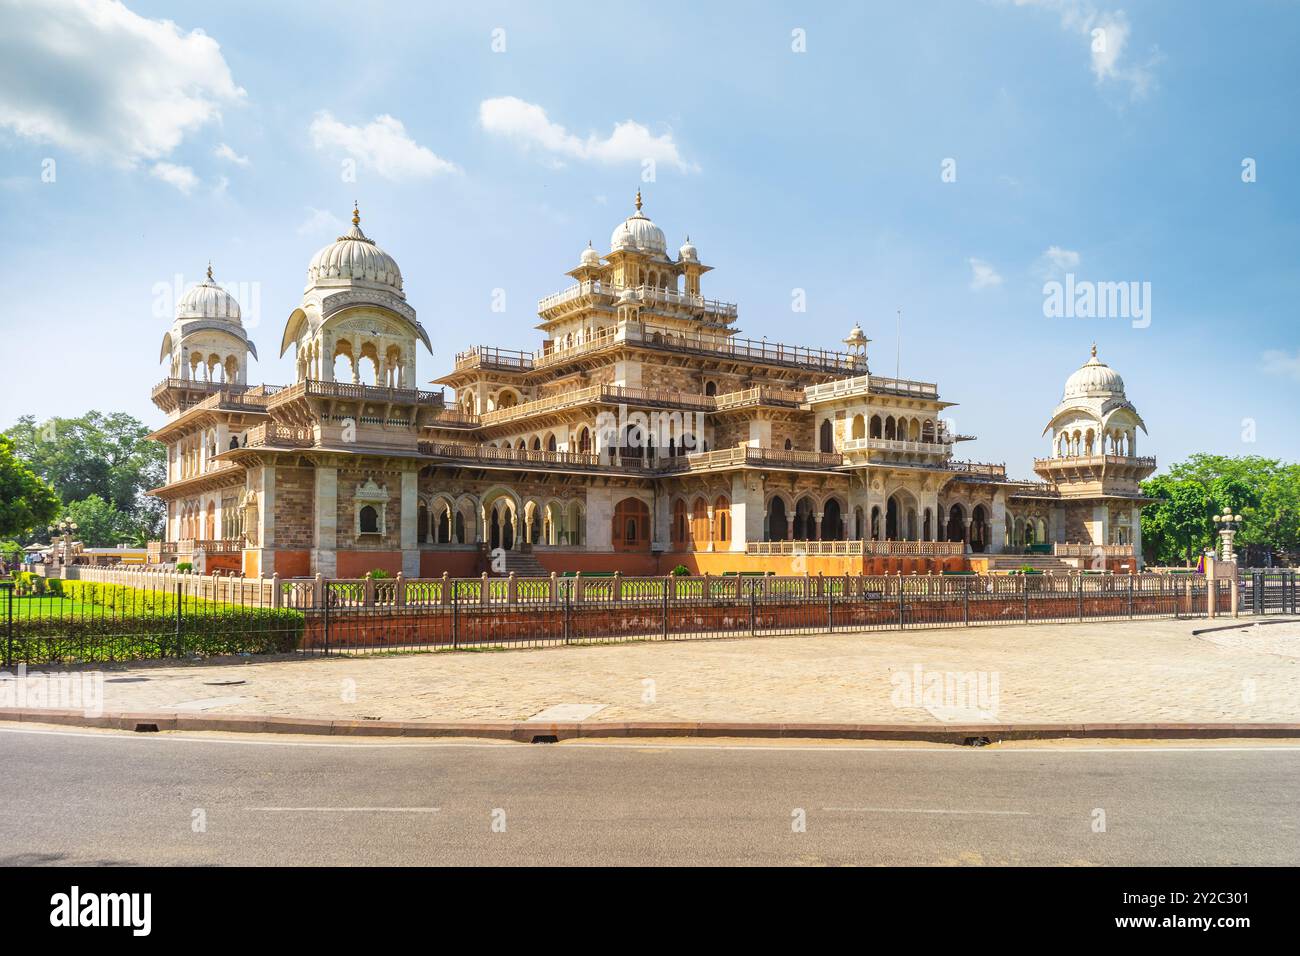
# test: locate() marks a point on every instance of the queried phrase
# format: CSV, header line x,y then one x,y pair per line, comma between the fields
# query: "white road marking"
x,y
999,813
343,809
831,747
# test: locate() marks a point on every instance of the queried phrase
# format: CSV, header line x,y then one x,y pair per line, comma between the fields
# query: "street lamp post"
x,y
66,530
1227,523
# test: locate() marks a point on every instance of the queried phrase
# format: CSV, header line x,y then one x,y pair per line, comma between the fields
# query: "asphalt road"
x,y
100,798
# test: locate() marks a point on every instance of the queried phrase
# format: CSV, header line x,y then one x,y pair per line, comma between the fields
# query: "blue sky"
x,y
822,170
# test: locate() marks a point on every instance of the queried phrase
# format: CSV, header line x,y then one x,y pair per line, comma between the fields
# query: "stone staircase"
x,y
524,564
1039,562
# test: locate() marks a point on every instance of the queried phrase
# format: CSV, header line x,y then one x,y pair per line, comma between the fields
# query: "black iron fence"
x,y
72,621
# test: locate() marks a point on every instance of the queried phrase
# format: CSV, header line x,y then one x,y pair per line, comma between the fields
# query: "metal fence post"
x,y
179,650
667,583
325,617
965,602
830,611
564,627
9,625
1024,587
455,618
1131,579
751,612
902,623
1080,598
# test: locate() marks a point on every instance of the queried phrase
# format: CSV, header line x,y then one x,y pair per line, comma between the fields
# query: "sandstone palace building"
x,y
643,433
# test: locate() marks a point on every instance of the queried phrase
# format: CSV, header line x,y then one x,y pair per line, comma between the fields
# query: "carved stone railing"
x,y
932,549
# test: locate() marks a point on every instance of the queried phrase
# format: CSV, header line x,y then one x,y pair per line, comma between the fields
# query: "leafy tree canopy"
x,y
1264,491
27,502
108,456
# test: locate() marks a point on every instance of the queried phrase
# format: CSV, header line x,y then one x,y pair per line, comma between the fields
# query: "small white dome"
x,y
207,300
687,252
590,257
355,258
1094,378
638,233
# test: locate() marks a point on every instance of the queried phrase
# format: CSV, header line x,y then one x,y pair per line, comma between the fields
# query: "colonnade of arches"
x,y
1024,531
630,442
361,362
895,429
703,521
500,520
1073,443
809,518
209,368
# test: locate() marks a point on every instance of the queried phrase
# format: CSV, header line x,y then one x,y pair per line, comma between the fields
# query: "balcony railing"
x,y
866,548
863,384
749,455
357,392
1092,461
894,445
275,435
651,297
978,469
1092,550
489,356
762,395
485,453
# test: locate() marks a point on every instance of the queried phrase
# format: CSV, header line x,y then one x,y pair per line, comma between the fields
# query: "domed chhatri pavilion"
x,y
644,433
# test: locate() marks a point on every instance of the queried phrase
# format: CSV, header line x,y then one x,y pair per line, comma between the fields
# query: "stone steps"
x,y
1039,562
524,564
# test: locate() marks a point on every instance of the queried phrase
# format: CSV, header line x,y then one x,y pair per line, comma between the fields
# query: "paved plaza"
x,y
1127,671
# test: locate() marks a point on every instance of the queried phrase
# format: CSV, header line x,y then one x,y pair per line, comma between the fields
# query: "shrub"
x,y
218,629
681,570
55,587
377,574
185,566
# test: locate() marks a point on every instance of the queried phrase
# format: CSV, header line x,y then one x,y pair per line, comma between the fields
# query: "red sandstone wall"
x,y
459,564
355,564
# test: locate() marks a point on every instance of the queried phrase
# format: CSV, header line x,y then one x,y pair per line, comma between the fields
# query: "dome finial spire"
x,y
356,214
638,199
1094,349
209,270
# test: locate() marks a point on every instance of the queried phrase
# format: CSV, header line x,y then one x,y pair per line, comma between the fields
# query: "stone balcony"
x,y
596,294
1129,468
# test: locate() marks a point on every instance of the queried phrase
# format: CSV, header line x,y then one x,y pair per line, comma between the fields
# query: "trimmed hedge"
x,y
136,637
113,622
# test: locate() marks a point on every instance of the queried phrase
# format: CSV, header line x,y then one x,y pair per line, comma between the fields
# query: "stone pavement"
x,y
1102,672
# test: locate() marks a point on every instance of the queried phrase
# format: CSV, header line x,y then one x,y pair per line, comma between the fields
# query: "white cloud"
x,y
320,222
225,152
983,275
1056,261
382,146
1106,32
630,142
91,76
1277,362
182,177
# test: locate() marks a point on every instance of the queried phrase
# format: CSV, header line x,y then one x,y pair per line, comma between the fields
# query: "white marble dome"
x,y
354,257
688,252
207,300
590,257
1095,377
638,233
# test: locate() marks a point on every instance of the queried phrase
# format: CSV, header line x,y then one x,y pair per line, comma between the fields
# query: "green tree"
x,y
99,523
1264,491
27,502
106,455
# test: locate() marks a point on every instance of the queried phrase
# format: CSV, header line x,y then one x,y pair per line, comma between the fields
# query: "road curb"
x,y
537,731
